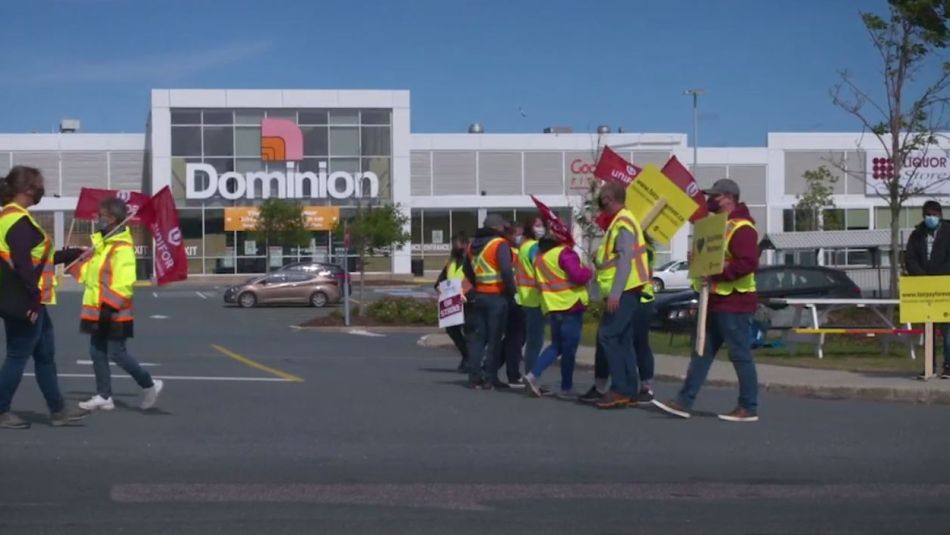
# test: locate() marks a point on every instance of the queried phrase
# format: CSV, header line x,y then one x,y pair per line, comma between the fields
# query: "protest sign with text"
x,y
651,188
451,304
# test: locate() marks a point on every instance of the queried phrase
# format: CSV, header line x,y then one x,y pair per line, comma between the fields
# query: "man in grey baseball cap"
x,y
723,186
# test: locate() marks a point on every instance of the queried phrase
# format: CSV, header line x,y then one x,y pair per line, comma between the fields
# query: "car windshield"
x,y
667,265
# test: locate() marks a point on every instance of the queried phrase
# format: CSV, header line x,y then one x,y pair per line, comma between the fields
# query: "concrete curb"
x,y
815,391
383,329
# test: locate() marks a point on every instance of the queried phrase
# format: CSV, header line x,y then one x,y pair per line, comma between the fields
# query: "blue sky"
x,y
765,65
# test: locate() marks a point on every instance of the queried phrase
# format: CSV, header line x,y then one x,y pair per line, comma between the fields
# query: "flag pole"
x,y
109,235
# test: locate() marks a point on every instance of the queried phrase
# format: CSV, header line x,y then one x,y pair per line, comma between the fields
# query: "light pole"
x,y
695,93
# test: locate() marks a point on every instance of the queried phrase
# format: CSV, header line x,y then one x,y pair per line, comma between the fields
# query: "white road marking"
x,y
364,332
155,295
179,377
143,364
158,317
201,295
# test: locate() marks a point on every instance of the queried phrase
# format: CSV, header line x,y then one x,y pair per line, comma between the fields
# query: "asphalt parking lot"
x,y
267,429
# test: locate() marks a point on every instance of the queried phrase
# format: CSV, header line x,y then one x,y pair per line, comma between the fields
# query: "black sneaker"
x,y
645,396
517,384
591,396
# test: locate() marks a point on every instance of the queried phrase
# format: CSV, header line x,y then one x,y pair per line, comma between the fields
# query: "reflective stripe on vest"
x,y
487,274
456,272
558,293
40,255
529,294
107,295
745,283
606,258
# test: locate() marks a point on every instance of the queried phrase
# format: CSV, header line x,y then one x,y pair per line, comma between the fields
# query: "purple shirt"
x,y
577,273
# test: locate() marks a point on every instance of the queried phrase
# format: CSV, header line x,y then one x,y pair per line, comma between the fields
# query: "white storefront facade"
x,y
222,151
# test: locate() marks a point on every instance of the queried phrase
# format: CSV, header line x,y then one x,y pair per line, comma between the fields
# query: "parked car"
x,y
286,287
320,268
677,312
671,276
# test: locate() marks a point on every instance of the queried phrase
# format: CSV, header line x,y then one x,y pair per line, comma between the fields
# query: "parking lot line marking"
x,y
201,295
180,377
256,365
143,364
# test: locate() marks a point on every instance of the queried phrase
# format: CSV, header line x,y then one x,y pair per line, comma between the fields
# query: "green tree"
x,y
815,207
910,40
372,230
282,223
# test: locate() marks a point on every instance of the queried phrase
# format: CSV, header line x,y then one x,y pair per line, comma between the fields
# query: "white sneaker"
x,y
150,398
97,402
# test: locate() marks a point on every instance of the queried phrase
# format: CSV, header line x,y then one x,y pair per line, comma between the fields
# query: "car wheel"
x,y
658,285
319,300
247,300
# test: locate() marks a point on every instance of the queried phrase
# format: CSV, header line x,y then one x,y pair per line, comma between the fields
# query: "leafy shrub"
x,y
404,311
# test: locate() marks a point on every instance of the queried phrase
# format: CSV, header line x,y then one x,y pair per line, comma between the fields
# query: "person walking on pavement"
x,y
732,302
491,259
458,268
928,253
108,275
514,337
562,280
27,251
641,335
529,294
622,272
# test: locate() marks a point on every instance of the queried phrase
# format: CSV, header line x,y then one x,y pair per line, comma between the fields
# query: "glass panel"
x,y
316,140
858,219
251,117
376,141
833,219
882,218
221,165
186,141
465,221
218,117
311,164
312,117
191,230
219,141
350,165
788,220
186,117
375,117
347,117
437,236
283,114
247,141
248,165
382,167
344,142
416,227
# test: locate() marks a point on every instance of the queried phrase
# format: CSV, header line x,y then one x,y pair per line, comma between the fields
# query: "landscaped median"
x,y
386,314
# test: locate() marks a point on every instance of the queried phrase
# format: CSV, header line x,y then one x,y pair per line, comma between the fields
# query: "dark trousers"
x,y
641,341
457,334
25,339
513,342
102,350
486,328
615,344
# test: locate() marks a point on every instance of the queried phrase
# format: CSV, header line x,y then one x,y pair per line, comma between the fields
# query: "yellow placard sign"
x,y
645,192
243,218
708,252
925,299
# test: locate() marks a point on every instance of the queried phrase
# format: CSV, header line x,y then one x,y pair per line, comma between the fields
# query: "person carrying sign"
x,y
458,268
732,302
928,254
622,272
491,260
562,279
108,276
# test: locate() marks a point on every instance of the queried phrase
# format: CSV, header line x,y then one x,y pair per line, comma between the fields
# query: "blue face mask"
x,y
931,222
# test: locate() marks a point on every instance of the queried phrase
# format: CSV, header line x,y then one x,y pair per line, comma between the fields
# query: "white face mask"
x,y
539,232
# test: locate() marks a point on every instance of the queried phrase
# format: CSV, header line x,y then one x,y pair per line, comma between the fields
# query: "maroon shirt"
x,y
744,249
22,238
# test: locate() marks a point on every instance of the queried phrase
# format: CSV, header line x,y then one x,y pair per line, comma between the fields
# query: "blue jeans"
x,y
641,341
25,339
101,349
733,330
565,337
534,336
487,327
615,345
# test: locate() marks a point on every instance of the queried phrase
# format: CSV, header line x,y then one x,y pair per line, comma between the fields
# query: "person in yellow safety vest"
x,y
514,329
491,259
563,280
458,268
27,254
622,271
732,303
528,298
107,272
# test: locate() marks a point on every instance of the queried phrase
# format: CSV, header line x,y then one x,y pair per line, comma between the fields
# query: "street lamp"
x,y
695,93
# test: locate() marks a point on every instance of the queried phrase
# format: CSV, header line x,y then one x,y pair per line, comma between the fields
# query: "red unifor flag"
x,y
160,215
89,198
679,175
554,223
612,166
